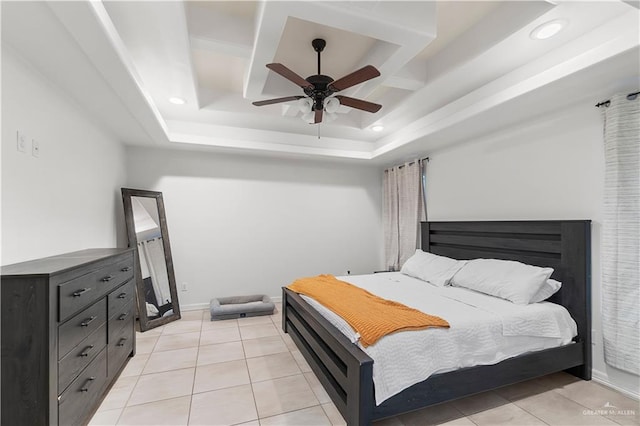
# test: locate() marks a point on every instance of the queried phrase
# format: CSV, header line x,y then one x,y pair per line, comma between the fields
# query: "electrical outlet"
x,y
35,148
184,286
348,272
21,140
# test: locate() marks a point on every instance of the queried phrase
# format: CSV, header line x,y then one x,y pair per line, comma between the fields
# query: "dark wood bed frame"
x,y
345,370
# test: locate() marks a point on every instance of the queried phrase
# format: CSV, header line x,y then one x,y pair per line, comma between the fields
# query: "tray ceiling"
x,y
448,69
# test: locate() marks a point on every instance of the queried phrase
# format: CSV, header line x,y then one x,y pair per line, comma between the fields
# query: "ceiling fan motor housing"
x,y
320,89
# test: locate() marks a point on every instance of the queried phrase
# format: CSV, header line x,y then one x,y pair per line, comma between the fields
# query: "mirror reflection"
x,y
153,269
155,280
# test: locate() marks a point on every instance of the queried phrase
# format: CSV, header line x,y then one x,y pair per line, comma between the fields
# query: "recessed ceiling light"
x,y
378,128
548,29
177,101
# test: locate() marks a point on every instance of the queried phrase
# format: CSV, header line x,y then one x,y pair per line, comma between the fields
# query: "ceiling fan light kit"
x,y
308,117
319,89
305,105
331,105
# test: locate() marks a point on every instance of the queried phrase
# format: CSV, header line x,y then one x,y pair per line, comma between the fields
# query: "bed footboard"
x,y
344,370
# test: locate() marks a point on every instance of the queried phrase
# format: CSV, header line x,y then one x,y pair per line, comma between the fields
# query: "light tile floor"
x,y
248,372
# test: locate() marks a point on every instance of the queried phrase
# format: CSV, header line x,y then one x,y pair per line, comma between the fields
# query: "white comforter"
x,y
484,330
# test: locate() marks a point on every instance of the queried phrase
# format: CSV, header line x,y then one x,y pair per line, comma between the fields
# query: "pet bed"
x,y
240,307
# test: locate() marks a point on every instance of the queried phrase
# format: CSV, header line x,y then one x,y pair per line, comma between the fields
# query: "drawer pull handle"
x,y
123,316
87,350
108,278
121,342
126,269
122,295
88,321
86,384
81,292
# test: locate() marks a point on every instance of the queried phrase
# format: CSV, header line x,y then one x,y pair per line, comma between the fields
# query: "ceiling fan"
x,y
319,88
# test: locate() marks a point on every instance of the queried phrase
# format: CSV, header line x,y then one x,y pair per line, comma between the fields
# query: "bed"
x,y
346,372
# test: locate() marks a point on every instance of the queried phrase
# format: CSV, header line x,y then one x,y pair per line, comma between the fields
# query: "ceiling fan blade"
x,y
356,77
318,117
289,75
358,104
277,100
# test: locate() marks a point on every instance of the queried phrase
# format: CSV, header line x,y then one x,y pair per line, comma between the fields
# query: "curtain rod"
x,y
411,162
630,96
421,159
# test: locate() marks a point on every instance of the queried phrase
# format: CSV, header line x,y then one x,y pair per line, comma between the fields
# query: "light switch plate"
x,y
21,141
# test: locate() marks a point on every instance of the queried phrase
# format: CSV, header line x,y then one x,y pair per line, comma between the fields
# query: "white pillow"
x,y
549,288
437,270
506,279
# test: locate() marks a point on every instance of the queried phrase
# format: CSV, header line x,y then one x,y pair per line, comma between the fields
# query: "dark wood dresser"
x,y
67,332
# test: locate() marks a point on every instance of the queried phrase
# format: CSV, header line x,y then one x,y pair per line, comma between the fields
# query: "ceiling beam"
x,y
221,47
404,83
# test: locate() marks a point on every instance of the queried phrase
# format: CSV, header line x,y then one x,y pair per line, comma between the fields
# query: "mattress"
x,y
484,330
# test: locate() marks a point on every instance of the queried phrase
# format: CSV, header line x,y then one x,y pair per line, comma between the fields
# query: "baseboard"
x,y
603,379
194,307
201,306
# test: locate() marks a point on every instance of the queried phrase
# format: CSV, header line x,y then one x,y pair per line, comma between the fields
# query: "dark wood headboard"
x,y
564,245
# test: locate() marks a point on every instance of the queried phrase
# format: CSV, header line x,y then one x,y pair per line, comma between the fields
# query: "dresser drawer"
x,y
122,318
80,356
78,328
80,398
120,347
119,298
80,292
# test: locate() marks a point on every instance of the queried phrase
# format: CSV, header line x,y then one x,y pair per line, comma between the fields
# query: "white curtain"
x,y
402,212
390,218
621,234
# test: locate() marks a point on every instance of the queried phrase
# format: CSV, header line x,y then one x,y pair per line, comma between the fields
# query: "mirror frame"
x,y
145,323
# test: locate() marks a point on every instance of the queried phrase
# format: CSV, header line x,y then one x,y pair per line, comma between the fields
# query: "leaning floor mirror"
x,y
156,283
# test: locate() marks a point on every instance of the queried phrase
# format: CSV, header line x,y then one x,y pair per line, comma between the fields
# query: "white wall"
x,y
549,168
242,225
68,198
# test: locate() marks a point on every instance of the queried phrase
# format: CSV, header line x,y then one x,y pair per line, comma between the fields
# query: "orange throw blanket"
x,y
371,316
